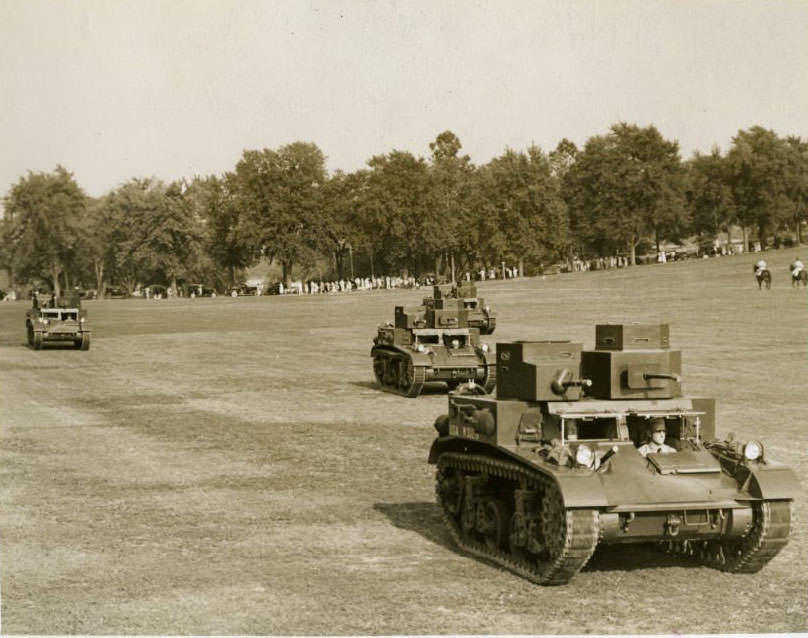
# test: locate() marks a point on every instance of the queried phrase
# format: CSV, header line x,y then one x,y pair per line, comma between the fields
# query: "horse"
x,y
763,278
801,277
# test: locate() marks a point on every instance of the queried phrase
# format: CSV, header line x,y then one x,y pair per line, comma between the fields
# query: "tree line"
x,y
403,214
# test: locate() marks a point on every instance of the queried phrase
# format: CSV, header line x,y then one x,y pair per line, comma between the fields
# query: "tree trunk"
x,y
521,266
452,260
55,278
632,253
174,286
437,266
372,269
99,274
746,246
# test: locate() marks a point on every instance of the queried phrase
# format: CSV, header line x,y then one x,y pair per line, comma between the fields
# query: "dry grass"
x,y
228,467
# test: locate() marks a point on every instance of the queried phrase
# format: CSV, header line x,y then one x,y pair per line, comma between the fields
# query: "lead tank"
x,y
436,341
536,477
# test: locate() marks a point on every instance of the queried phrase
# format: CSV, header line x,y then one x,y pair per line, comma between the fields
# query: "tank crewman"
x,y
656,439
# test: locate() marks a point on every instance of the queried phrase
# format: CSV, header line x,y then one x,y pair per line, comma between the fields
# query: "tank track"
x,y
748,554
396,373
575,532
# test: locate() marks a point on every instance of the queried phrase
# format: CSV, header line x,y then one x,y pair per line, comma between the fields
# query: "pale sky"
x,y
175,88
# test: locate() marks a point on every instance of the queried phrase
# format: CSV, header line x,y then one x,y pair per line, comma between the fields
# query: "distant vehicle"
x,y
242,290
200,290
436,341
115,292
53,319
89,293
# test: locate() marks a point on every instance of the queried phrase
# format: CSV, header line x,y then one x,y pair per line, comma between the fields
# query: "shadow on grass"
x,y
432,388
426,519
422,517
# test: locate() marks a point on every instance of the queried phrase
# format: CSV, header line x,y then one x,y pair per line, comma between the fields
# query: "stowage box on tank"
x,y
437,341
580,448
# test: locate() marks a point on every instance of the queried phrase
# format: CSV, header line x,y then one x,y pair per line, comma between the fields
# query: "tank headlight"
x,y
81,319
420,347
584,455
484,347
753,450
487,308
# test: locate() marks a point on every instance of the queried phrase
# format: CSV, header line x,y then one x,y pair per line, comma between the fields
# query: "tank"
x,y
436,341
53,320
556,464
462,298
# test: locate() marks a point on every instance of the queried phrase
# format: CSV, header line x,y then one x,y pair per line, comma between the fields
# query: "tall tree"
x,y
625,186
709,194
526,219
796,179
216,205
397,211
454,220
758,163
43,213
279,193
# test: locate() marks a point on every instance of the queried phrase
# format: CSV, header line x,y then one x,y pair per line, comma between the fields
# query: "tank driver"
x,y
656,439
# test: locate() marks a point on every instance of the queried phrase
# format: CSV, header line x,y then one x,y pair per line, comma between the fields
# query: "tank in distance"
x,y
438,341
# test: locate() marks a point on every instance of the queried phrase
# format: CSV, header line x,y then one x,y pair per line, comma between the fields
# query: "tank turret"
x,y
438,341
585,447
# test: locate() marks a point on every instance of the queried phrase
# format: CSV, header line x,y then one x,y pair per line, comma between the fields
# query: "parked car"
x,y
200,290
116,292
242,290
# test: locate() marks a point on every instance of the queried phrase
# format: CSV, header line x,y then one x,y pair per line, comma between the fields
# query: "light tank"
x,y
436,341
57,320
536,477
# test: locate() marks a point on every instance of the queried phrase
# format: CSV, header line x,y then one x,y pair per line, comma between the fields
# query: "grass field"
x,y
227,466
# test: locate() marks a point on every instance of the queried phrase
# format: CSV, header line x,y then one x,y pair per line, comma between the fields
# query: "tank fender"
x,y
582,490
770,482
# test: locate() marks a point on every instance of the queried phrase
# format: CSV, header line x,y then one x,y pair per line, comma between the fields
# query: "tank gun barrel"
x,y
562,382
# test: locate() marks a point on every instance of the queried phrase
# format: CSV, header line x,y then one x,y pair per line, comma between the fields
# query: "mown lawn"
x,y
227,466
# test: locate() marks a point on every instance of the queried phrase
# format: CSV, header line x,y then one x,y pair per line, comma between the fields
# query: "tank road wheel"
x,y
493,522
490,382
542,540
449,490
748,554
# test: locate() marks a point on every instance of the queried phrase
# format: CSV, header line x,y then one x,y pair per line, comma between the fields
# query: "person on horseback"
x,y
798,273
761,266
